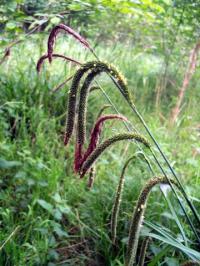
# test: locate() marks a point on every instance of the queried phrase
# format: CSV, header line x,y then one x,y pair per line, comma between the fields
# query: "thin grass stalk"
x,y
118,196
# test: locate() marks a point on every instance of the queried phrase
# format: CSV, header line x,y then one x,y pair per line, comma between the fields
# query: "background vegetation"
x,y
47,215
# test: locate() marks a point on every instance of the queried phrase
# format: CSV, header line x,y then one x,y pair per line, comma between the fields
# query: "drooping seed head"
x,y
96,131
98,68
44,57
136,220
53,35
107,143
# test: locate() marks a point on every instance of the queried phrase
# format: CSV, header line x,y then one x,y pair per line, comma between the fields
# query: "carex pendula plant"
x,y
86,159
68,30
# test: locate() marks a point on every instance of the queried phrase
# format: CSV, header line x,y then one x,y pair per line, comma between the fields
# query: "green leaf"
x,y
4,164
45,205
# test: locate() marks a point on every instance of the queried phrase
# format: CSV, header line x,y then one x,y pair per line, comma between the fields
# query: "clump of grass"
x,y
137,218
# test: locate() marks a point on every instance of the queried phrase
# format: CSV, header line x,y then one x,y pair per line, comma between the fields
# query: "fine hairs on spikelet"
x,y
66,29
94,139
106,144
137,218
44,57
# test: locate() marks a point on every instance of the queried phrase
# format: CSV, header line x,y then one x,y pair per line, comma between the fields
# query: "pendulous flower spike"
x,y
98,68
53,35
82,110
92,174
107,143
44,57
96,131
71,108
137,218
118,196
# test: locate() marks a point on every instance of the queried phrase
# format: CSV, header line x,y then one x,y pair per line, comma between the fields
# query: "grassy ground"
x,y
55,220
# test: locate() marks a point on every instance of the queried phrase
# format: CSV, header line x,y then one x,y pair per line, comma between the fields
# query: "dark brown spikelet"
x,y
94,139
143,250
53,35
138,216
118,196
98,67
96,131
82,110
44,57
190,263
71,106
107,143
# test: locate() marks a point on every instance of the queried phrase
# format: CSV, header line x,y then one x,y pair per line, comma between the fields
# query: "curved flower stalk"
x,y
143,251
53,36
96,67
190,263
44,57
118,196
106,144
94,139
138,216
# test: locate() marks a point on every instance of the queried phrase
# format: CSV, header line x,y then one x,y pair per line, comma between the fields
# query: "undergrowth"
x,y
55,219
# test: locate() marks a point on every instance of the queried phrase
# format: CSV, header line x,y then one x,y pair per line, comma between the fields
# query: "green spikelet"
x,y
107,143
118,196
190,263
143,251
98,67
137,218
